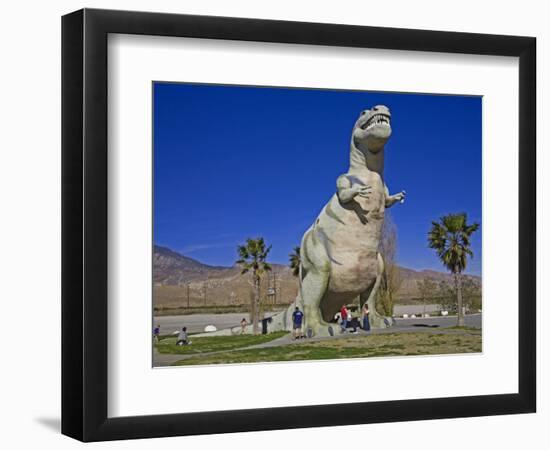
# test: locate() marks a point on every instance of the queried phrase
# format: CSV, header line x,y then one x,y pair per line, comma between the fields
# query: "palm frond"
x,y
295,261
252,257
450,237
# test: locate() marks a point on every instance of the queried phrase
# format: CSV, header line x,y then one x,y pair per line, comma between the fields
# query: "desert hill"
x,y
180,281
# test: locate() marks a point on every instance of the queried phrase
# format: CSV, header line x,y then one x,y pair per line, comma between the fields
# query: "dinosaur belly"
x,y
352,243
344,241
355,273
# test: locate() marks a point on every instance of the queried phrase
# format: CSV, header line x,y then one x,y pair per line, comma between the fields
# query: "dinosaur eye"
x,y
363,113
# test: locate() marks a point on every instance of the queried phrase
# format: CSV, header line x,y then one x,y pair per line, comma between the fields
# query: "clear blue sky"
x,y
235,162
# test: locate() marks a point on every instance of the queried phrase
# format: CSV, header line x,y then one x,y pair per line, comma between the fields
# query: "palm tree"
x,y
450,238
252,258
295,261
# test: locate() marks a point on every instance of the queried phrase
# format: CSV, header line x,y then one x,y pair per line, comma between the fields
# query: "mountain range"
x,y
179,280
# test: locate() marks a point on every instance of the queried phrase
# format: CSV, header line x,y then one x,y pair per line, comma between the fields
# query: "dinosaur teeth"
x,y
377,119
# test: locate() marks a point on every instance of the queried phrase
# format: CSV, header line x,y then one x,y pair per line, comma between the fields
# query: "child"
x,y
156,333
182,337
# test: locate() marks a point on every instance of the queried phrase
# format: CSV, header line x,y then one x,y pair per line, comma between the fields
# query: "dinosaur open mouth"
x,y
377,119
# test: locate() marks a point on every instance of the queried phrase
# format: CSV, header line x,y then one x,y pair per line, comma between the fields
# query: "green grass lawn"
x,y
464,328
214,343
394,344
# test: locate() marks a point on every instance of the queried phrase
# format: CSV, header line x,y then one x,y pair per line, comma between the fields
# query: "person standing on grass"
x,y
344,318
297,319
182,337
366,323
244,323
156,333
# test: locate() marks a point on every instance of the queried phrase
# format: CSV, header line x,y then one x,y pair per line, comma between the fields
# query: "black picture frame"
x,y
84,224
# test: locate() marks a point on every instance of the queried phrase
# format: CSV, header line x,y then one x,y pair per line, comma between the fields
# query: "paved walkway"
x,y
434,325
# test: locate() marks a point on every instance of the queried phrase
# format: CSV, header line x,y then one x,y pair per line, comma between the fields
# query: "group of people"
x,y
183,338
346,319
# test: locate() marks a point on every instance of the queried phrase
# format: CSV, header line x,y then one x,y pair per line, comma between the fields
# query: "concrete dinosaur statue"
x,y
340,261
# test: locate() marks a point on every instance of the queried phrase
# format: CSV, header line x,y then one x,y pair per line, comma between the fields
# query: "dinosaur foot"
x,y
323,329
378,321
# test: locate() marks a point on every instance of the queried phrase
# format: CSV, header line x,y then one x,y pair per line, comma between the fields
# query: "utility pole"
x,y
188,295
275,288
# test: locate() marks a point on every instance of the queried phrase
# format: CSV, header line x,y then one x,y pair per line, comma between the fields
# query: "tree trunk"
x,y
256,321
252,313
459,307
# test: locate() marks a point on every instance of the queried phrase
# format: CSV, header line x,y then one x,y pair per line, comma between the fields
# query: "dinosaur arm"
x,y
347,192
393,199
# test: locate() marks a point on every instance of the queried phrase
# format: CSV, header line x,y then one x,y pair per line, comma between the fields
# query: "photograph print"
x,y
296,224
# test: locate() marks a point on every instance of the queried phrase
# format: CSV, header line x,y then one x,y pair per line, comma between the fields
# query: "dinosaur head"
x,y
372,129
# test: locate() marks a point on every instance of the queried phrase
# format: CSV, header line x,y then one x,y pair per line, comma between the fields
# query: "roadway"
x,y
195,323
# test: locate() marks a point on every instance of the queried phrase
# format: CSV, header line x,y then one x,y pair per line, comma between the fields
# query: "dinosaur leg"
x,y
376,320
314,277
313,288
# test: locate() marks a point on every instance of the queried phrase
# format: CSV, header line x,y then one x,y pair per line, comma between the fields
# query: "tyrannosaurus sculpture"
x,y
340,259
